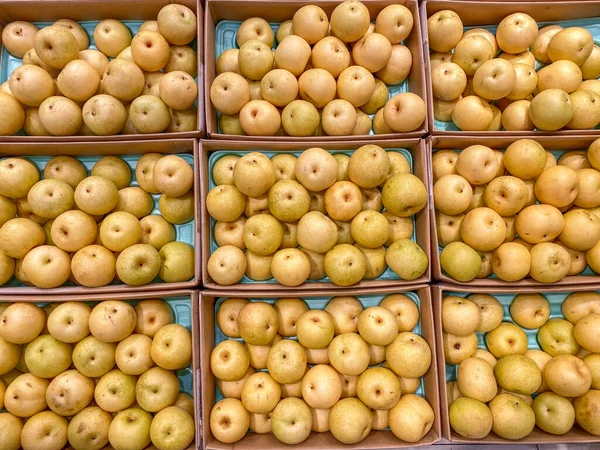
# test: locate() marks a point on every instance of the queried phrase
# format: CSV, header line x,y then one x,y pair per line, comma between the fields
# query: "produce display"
x,y
314,214
359,367
65,82
517,213
350,368
338,76
91,228
514,76
538,363
94,374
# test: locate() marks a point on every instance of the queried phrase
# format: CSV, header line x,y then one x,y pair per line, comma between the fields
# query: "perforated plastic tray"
x,y
320,303
183,232
389,274
225,39
591,24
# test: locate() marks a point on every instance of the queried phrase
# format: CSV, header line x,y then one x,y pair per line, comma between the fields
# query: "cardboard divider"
x,y
576,435
376,439
498,143
51,10
114,148
196,353
489,12
422,227
279,11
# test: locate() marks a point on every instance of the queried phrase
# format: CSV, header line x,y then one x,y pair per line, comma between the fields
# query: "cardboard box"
x,y
116,148
375,440
239,10
165,295
576,435
499,143
417,150
51,10
488,12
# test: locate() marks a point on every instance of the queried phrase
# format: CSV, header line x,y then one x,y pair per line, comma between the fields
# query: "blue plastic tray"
x,y
389,274
554,298
182,309
183,232
320,303
557,153
225,39
591,24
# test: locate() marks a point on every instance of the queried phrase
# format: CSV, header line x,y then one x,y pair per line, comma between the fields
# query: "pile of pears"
x,y
522,78
520,213
345,216
512,383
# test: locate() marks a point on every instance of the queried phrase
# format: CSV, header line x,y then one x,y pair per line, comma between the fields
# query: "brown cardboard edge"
x,y
196,325
542,13
115,148
498,142
417,149
201,111
537,436
477,12
426,64
196,353
115,137
388,440
417,78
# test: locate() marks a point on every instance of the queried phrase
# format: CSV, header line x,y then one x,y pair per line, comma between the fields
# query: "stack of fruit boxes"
x,y
89,14
89,153
197,310
447,136
448,372
222,20
184,306
182,297
558,146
